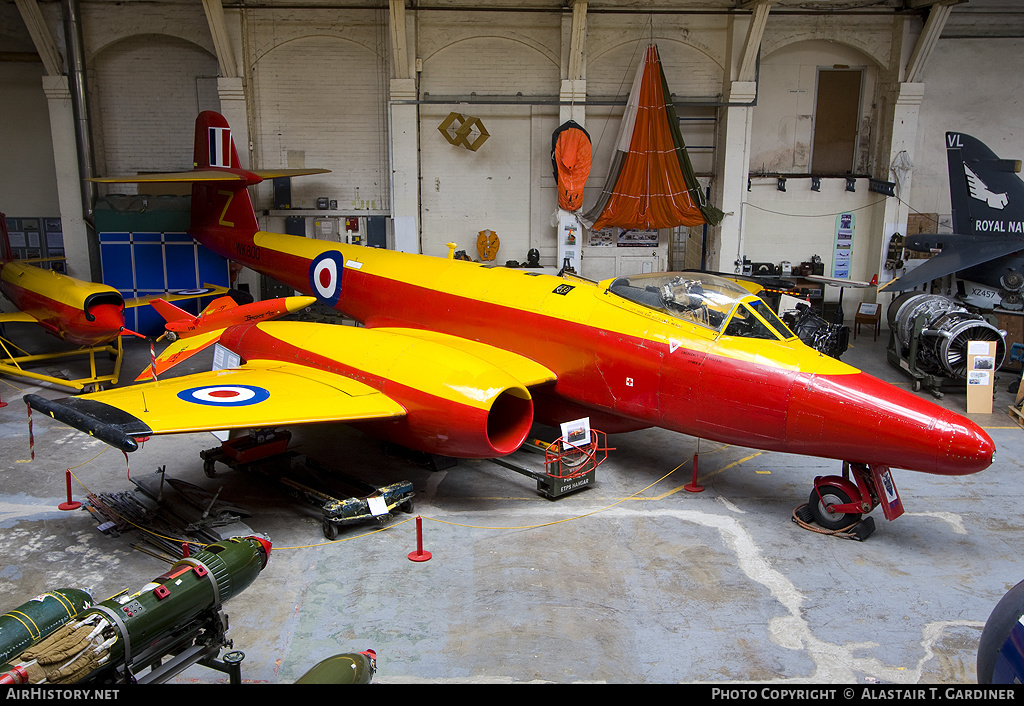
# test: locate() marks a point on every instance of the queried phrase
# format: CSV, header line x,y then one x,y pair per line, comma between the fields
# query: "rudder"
x,y
220,204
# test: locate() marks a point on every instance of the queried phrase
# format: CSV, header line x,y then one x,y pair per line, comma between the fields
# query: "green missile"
x,y
35,619
348,668
126,633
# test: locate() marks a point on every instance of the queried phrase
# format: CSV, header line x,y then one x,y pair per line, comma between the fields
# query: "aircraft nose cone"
x,y
107,317
966,448
865,420
102,325
293,304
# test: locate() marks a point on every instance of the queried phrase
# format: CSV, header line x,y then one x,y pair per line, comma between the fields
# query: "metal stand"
x,y
265,452
567,468
11,364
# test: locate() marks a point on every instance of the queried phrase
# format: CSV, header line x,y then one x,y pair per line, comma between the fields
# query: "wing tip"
x,y
117,429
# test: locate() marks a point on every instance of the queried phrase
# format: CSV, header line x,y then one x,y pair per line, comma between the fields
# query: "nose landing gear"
x,y
837,504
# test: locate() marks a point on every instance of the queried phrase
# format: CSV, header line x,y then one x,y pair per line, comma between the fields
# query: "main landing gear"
x,y
837,504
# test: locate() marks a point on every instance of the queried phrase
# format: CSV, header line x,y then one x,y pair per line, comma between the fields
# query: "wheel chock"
x,y
863,529
803,514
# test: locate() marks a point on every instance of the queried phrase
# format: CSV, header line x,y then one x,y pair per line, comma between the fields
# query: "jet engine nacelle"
x,y
946,328
486,413
462,430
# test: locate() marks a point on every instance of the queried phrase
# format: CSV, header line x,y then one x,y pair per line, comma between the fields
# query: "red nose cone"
x,y
101,324
265,544
967,448
862,419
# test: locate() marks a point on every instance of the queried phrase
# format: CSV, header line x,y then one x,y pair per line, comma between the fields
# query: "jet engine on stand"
x,y
928,339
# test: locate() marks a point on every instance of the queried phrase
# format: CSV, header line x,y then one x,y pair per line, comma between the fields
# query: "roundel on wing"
x,y
325,276
225,395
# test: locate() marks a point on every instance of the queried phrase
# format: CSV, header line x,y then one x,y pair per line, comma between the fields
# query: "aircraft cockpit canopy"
x,y
705,299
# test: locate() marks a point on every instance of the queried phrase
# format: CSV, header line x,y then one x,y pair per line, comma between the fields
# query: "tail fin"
x,y
987,198
986,194
219,204
220,199
170,312
6,253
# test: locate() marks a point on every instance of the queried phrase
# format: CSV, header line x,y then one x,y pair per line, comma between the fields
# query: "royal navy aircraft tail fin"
x,y
987,199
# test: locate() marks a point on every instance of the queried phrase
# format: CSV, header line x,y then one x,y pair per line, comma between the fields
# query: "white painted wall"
x,y
28,180
145,91
317,90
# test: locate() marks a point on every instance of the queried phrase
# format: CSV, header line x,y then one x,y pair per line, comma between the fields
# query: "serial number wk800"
x,y
247,250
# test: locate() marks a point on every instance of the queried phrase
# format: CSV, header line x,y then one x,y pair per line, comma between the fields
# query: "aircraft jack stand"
x,y
265,452
11,364
836,504
567,469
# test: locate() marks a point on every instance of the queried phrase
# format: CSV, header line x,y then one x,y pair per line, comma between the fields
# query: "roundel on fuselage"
x,y
325,276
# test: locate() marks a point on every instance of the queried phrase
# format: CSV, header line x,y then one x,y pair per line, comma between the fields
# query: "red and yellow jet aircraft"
x,y
459,359
83,313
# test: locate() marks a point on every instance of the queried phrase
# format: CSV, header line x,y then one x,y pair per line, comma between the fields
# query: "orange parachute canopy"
x,y
651,183
570,157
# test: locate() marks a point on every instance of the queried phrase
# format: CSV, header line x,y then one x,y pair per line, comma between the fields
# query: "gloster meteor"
x,y
460,359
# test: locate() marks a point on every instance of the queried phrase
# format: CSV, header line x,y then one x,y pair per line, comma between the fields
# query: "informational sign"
x,y
637,238
576,433
224,359
570,242
981,375
844,246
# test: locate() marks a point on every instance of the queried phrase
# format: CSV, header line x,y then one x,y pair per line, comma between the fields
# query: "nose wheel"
x,y
837,505
822,504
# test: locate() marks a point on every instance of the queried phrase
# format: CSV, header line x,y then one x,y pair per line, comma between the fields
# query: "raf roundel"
x,y
225,395
325,276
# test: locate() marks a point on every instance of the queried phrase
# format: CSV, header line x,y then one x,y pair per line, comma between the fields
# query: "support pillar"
x,y
69,192
900,167
733,168
405,165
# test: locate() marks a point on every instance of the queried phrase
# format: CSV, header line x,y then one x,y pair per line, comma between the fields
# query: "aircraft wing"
x,y
204,175
275,173
207,290
19,317
194,175
958,253
260,394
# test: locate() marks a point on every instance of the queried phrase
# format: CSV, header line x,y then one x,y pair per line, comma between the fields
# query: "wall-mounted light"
x,y
882,187
781,184
851,184
815,183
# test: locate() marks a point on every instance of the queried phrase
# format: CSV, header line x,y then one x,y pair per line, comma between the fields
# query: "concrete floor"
x,y
633,581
